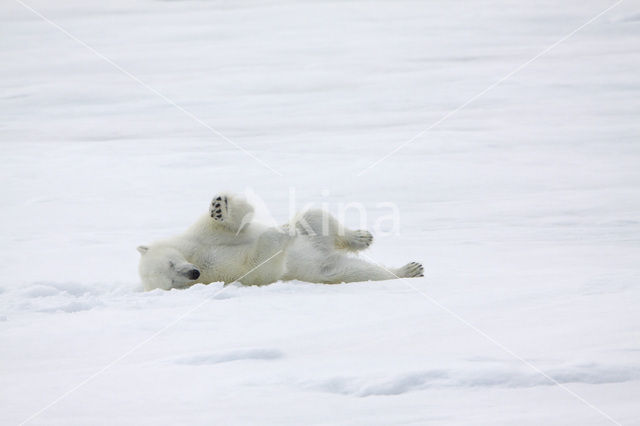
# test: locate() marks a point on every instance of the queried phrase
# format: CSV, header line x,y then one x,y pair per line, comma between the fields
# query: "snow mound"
x,y
237,355
509,378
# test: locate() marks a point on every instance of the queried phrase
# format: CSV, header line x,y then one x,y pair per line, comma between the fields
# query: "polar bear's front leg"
x,y
231,211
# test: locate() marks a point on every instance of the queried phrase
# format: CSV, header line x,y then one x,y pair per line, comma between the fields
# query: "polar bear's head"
x,y
166,268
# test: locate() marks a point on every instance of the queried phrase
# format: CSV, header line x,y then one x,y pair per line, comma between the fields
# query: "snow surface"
x,y
524,208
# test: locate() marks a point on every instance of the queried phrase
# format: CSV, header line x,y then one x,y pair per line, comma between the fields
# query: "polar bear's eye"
x,y
171,264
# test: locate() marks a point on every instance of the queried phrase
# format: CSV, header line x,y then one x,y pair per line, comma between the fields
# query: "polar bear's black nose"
x,y
194,274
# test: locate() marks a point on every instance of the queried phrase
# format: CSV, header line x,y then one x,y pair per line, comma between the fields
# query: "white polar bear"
x,y
225,245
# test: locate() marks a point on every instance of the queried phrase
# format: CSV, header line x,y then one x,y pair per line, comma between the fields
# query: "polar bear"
x,y
226,245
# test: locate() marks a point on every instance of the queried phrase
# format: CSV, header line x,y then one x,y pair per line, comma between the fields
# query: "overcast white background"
x,y
524,208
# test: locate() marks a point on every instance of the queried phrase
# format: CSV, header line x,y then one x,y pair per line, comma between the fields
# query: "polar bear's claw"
x,y
363,238
411,270
359,239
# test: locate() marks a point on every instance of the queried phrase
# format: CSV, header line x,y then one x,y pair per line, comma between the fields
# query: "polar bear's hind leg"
x,y
342,268
410,270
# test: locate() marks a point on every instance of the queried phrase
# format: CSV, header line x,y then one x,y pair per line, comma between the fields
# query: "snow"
x,y
524,207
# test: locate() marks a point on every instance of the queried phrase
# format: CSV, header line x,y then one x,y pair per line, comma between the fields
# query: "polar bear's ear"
x,y
143,249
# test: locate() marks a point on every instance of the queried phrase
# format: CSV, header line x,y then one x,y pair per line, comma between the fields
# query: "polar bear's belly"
x,y
303,260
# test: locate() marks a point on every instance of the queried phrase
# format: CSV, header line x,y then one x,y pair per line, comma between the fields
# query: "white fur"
x,y
225,245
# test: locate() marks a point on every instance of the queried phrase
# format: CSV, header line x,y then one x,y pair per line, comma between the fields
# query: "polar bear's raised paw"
x,y
355,240
219,208
410,270
361,239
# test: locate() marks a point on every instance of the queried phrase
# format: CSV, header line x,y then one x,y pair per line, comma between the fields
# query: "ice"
x,y
524,208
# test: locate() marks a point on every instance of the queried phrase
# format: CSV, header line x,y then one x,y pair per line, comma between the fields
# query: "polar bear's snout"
x,y
193,274
189,271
